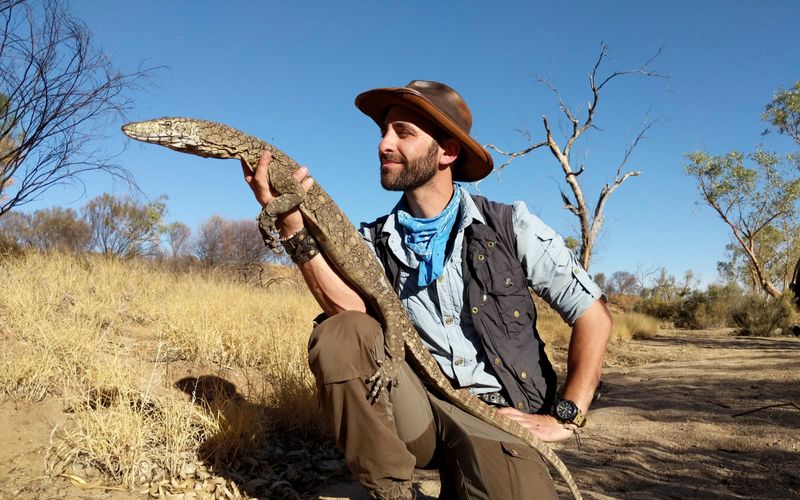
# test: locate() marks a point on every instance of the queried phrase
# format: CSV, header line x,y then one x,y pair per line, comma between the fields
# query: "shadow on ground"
x,y
263,461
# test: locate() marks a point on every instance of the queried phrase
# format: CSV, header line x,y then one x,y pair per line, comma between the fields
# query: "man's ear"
x,y
451,149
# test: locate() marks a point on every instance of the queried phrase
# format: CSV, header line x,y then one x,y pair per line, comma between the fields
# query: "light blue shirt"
x,y
438,311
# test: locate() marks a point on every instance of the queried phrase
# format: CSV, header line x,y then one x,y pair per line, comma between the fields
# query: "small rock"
x,y
329,465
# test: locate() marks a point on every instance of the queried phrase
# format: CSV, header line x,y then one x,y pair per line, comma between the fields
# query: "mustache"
x,y
392,157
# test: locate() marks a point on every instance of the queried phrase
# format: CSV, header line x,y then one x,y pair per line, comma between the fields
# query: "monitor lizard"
x,y
344,248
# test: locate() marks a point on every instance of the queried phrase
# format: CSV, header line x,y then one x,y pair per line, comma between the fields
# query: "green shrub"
x,y
659,308
759,316
693,309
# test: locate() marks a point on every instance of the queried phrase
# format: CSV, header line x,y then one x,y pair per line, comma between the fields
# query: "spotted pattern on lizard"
x,y
347,252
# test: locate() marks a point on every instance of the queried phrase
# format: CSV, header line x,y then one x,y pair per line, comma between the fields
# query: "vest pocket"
x,y
516,314
505,281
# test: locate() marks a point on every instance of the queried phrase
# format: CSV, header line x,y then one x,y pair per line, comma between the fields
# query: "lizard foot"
x,y
268,230
383,378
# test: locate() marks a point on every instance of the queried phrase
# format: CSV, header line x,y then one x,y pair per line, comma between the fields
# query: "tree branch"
x,y
513,156
60,93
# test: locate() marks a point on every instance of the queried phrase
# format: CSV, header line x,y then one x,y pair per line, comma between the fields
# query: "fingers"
x,y
305,180
544,427
246,171
513,414
307,183
258,179
261,175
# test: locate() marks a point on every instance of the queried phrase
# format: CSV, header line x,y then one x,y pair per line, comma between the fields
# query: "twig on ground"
x,y
778,405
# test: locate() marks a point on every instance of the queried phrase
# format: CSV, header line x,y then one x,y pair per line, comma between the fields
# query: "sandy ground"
x,y
683,415
669,422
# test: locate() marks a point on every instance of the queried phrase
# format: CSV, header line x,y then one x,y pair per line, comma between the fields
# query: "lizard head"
x,y
180,134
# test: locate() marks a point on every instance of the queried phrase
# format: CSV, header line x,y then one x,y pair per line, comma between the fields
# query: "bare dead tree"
x,y
590,220
57,94
177,237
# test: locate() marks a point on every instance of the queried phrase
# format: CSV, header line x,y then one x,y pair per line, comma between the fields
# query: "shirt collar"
x,y
469,213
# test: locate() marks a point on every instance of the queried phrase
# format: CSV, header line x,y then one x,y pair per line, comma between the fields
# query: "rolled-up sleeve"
x,y
554,272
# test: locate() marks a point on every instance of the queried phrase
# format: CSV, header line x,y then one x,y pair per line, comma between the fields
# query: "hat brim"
x,y
475,162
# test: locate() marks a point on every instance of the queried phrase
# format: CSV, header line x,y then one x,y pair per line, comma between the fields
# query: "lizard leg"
x,y
268,230
290,195
290,192
386,374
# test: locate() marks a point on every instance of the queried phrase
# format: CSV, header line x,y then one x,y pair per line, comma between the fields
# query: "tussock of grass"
x,y
632,325
133,438
111,337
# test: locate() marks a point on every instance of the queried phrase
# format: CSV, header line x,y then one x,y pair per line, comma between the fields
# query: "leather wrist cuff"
x,y
300,246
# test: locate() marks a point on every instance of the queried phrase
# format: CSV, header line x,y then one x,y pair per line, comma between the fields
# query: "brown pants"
x,y
383,442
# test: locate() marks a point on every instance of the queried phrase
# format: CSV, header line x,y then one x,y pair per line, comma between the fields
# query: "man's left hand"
x,y
545,427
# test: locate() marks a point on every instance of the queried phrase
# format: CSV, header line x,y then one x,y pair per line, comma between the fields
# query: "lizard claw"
x,y
383,378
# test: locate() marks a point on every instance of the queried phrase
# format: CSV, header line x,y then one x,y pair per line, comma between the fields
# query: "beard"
x,y
414,173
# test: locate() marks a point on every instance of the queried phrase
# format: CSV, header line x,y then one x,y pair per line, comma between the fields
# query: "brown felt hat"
x,y
445,108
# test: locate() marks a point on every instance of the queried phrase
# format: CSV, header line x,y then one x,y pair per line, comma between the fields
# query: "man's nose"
x,y
387,142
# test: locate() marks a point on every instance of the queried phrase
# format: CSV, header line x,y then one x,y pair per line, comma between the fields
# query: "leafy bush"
x,y
759,316
659,308
693,309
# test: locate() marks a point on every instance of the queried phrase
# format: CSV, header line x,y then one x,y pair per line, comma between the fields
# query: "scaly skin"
x,y
345,249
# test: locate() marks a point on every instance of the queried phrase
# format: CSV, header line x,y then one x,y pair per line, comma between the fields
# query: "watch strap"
x,y
579,419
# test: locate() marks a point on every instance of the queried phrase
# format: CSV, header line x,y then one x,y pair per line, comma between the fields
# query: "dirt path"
x,y
665,425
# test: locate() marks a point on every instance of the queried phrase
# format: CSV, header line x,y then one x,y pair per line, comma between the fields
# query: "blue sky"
x,y
288,72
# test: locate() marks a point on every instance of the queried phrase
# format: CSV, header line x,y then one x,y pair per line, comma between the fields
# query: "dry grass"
x,y
551,327
632,325
627,325
110,338
164,374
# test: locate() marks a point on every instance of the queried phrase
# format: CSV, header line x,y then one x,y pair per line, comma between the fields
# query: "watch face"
x,y
566,410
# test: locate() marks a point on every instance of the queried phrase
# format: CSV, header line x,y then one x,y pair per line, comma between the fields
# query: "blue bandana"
x,y
427,238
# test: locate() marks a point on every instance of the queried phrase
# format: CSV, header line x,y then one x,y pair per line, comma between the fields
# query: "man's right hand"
x,y
290,222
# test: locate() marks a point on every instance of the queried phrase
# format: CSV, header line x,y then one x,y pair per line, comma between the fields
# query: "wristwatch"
x,y
568,412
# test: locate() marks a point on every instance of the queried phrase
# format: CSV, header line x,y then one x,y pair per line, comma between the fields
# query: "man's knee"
x,y
477,464
344,347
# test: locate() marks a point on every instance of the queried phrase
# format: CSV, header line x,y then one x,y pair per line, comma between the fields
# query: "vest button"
x,y
516,314
498,361
474,310
523,375
481,257
520,405
490,244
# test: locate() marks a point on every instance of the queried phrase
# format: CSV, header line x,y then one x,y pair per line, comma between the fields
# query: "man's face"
x,y
409,155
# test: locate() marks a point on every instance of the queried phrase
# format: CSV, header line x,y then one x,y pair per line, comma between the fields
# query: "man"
x,y
462,267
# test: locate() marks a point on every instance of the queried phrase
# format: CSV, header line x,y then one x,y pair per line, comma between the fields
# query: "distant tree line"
x,y
681,303
122,227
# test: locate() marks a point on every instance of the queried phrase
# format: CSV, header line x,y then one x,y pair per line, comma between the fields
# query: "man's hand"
x,y
545,427
290,222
